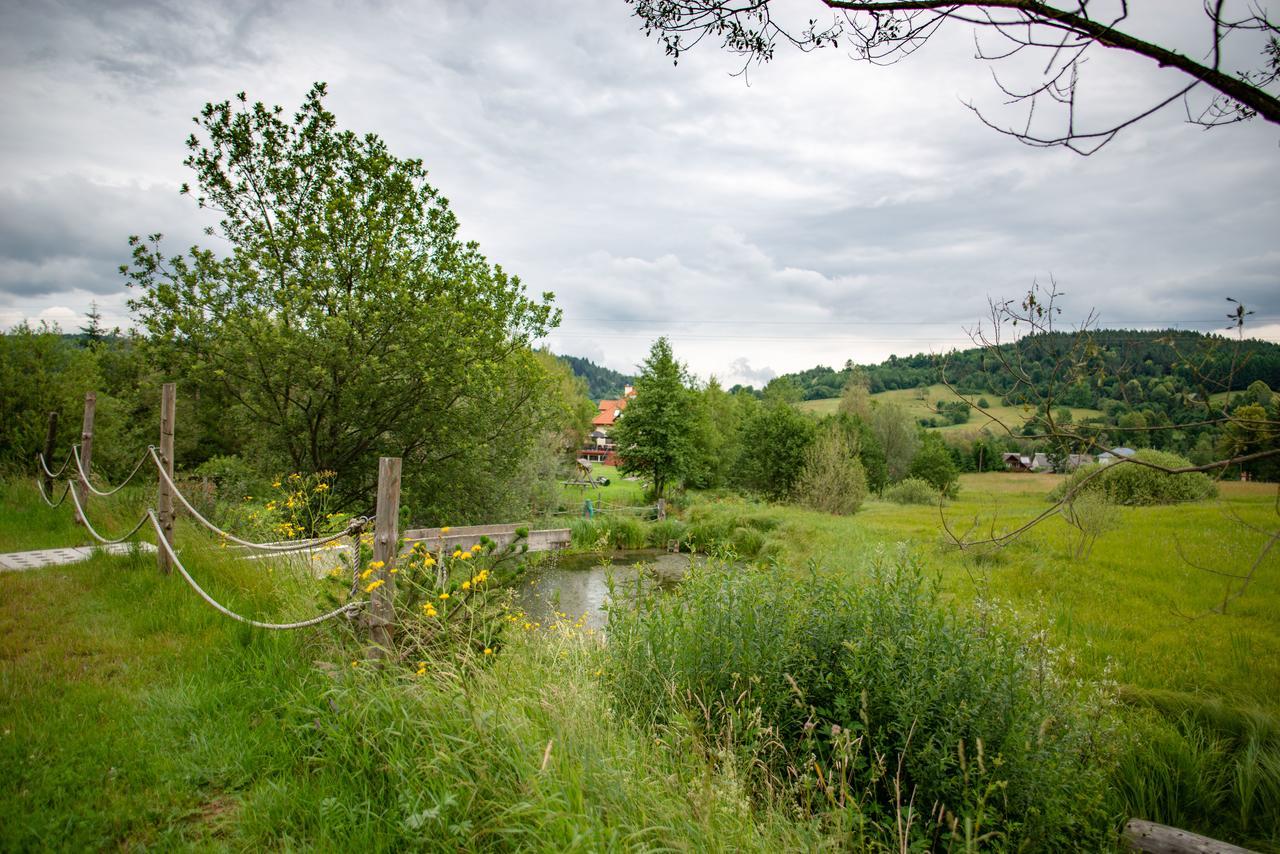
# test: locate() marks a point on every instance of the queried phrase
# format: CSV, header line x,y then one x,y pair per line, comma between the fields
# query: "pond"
x,y
578,585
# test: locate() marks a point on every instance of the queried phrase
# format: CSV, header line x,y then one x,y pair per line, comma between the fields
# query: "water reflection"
x,y
578,585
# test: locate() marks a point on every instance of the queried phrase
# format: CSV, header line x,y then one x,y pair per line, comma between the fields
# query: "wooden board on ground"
x,y
465,536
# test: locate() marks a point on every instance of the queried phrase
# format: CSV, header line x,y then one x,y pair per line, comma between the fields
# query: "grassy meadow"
x,y
921,403
132,715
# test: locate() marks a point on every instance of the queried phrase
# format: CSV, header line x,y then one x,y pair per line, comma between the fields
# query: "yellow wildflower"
x,y
428,561
322,487
488,651
355,664
445,529
365,575
466,585
466,555
476,547
276,484
457,552
444,596
377,564
393,570
374,585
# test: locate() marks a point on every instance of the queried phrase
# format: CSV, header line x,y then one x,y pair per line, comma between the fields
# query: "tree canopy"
x,y
345,318
655,436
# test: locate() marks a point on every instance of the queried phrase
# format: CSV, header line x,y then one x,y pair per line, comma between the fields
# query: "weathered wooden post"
x,y
386,545
164,496
662,509
86,449
49,439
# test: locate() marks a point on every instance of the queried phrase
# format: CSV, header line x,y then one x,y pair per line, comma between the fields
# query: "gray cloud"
x,y
825,211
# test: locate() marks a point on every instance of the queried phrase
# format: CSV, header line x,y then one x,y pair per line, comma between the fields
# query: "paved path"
x,y
19,561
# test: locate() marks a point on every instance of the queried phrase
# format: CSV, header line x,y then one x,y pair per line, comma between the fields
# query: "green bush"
x,y
913,490
1138,485
663,532
933,463
626,532
746,542
870,696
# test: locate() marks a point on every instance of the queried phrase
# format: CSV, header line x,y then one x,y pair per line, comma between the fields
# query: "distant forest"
x,y
1126,365
602,382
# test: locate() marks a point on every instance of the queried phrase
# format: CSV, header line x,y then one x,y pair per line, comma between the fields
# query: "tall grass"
x,y
870,705
132,715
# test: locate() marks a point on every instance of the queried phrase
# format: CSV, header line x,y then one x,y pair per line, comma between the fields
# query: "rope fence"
x,y
54,474
45,495
168,491
218,606
84,475
353,529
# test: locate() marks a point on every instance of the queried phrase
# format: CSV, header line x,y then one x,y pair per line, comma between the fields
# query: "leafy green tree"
x,y
896,432
934,464
345,319
655,435
774,442
832,479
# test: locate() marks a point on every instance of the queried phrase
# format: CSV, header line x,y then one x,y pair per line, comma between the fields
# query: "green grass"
x,y
1119,611
920,404
619,492
132,715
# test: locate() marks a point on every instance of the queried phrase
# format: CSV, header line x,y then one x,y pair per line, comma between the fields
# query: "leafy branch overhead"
x,y
1237,60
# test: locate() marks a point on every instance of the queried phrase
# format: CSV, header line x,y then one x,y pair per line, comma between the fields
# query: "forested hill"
x,y
1176,360
602,382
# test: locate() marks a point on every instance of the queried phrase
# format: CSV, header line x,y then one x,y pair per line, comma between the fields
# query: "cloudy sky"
x,y
816,211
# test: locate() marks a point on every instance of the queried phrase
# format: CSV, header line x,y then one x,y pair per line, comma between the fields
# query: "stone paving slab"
x,y
19,561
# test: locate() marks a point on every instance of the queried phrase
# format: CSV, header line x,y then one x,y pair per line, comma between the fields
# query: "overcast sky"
x,y
818,211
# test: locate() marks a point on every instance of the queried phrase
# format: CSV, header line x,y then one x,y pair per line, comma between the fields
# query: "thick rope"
x,y
45,465
355,526
44,495
75,499
164,544
84,475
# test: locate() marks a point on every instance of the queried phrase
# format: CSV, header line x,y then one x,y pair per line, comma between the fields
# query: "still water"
x,y
578,585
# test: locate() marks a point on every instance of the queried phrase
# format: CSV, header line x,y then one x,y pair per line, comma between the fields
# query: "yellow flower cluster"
x,y
422,668
429,610
374,585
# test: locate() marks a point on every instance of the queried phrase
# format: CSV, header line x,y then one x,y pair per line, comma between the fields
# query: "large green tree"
x,y
655,436
341,314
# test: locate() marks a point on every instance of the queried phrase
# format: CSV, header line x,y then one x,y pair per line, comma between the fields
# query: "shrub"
x,y
747,542
933,463
913,490
663,532
832,480
867,695
1138,485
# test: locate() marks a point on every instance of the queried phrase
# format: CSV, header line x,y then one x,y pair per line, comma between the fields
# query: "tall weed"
x,y
870,703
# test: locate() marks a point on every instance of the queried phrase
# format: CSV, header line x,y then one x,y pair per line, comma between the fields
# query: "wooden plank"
x,y
386,544
464,538
1154,838
164,497
86,448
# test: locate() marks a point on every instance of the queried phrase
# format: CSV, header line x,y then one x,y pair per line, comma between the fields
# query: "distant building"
x,y
1016,462
1114,454
600,446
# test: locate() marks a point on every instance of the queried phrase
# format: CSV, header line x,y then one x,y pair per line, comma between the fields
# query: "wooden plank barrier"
x,y
465,536
1154,838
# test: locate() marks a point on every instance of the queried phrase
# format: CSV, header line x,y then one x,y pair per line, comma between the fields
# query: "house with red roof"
x,y
600,446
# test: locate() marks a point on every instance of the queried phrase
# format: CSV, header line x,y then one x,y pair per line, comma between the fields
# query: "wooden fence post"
x,y
386,545
49,439
86,448
164,497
